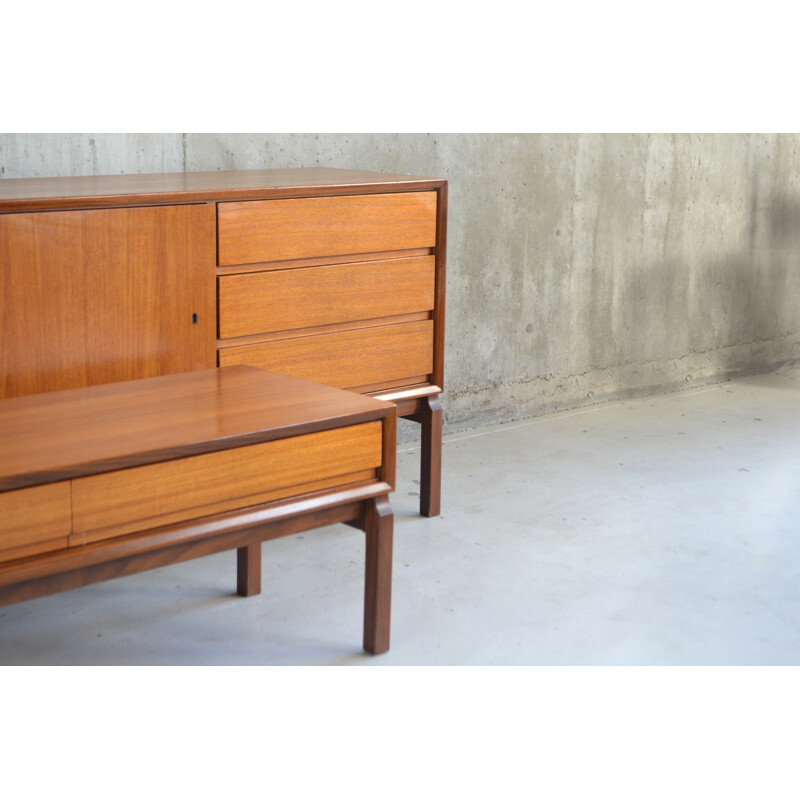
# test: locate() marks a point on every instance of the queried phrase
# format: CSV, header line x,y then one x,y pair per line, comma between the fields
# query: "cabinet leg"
x,y
379,528
430,495
248,570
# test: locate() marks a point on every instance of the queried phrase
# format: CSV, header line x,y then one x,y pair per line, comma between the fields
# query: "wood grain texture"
x,y
430,418
323,261
90,297
379,529
96,191
172,510
389,458
264,302
419,382
45,437
317,330
441,286
59,571
34,520
248,570
368,356
153,495
72,347
275,230
293,514
42,303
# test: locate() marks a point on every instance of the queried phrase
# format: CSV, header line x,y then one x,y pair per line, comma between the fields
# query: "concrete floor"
x,y
660,531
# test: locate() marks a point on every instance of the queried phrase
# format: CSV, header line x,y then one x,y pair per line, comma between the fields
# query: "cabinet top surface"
x,y
61,435
31,194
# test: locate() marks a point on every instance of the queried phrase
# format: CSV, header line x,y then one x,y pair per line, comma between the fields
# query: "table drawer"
x,y
141,498
263,302
346,359
34,520
278,230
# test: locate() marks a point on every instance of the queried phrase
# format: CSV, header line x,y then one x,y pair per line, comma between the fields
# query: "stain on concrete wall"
x,y
40,155
581,267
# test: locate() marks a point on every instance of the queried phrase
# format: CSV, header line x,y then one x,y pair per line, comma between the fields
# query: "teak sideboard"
x,y
335,276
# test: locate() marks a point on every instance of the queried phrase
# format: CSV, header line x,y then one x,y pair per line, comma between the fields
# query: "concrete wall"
x,y
581,267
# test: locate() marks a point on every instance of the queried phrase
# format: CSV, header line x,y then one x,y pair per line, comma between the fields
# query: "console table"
x,y
336,276
122,477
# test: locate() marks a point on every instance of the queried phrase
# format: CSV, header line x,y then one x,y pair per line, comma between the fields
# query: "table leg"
x,y
248,570
430,417
379,528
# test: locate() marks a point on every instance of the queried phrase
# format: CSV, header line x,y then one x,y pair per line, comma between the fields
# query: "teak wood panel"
x,y
264,302
139,498
34,520
91,297
348,359
278,230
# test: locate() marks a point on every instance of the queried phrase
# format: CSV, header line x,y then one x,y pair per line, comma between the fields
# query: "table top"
x,y
60,435
100,191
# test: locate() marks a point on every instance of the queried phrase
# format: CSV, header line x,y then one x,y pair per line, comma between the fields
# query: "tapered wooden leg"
x,y
379,527
248,570
430,495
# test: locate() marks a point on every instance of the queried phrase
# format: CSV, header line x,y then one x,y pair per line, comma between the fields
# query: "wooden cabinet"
x,y
336,276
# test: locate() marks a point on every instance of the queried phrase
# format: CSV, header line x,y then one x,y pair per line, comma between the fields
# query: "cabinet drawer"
x,y
346,359
263,302
34,520
278,230
146,497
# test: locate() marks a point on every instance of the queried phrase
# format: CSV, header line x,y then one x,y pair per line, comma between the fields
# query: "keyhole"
x,y
194,319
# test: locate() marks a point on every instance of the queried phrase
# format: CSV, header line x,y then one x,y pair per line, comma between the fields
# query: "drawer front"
x,y
263,302
34,520
280,230
146,497
348,359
